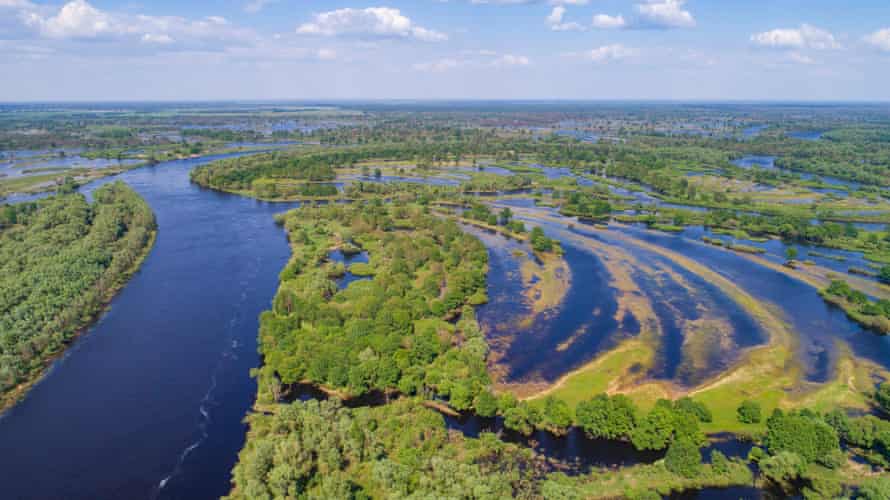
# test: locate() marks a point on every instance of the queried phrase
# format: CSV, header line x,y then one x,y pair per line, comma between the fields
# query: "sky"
x,y
105,50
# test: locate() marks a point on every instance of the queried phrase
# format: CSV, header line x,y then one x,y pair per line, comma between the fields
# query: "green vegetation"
x,y
873,314
323,450
61,261
749,412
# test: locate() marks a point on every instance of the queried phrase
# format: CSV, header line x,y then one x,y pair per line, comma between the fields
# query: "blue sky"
x,y
436,49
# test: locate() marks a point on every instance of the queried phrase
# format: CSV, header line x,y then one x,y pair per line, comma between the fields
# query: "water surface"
x,y
154,394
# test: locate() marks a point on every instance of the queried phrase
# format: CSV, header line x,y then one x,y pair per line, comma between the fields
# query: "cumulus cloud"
x,y
555,20
77,19
879,39
605,21
664,14
382,22
652,14
80,20
805,37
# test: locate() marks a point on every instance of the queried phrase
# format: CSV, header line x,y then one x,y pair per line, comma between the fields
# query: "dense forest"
x,y
61,260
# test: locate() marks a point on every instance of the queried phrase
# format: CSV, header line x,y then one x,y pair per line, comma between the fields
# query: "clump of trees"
x,y
749,412
874,314
540,242
61,260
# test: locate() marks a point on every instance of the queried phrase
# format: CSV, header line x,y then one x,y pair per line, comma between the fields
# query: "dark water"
x,y
733,493
156,391
348,260
573,453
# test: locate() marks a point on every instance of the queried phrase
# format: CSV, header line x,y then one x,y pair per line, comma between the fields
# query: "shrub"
x,y
749,412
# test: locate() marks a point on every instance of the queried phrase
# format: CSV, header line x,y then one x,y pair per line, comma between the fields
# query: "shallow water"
x,y
348,260
156,391
817,324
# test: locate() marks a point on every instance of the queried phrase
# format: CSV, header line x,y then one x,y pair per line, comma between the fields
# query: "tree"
x,y
876,488
783,469
884,274
607,417
807,436
791,254
749,412
882,396
557,415
539,241
505,216
683,458
654,432
486,404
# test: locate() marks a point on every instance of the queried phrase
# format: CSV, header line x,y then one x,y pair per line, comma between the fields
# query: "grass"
x,y
547,283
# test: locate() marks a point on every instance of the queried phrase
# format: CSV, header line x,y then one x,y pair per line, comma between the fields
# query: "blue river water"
x,y
149,402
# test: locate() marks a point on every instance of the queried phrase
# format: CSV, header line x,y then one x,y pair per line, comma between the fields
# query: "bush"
x,y
683,458
749,412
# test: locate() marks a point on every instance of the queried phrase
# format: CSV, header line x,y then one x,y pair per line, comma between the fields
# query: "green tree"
x,y
683,458
655,430
749,412
882,396
876,488
607,417
486,404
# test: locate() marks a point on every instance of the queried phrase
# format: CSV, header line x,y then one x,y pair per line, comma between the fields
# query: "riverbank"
x,y
93,304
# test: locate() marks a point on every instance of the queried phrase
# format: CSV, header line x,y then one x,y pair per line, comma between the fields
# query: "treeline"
x,y
239,173
61,260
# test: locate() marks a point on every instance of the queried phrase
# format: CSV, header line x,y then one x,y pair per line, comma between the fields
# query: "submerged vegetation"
x,y
61,260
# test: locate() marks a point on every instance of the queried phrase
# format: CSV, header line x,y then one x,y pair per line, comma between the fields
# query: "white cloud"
x,y
652,14
664,14
511,60
80,20
384,22
555,20
805,37
76,19
254,6
879,39
605,21
440,66
606,53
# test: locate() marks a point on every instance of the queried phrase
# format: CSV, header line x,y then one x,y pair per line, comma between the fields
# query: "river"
x,y
149,402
